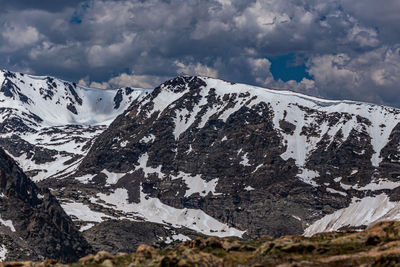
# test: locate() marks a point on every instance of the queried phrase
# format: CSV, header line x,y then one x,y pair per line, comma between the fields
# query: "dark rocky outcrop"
x,y
35,220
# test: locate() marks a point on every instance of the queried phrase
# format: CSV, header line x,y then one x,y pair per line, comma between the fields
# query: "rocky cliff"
x,y
33,224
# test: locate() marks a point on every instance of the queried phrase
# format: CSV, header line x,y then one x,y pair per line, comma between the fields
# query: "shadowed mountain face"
x,y
34,226
200,155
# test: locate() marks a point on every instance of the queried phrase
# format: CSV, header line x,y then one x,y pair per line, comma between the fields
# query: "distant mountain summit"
x,y
201,156
54,102
46,123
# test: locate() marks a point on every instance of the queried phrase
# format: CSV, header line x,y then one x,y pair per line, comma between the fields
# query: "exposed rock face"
x,y
34,226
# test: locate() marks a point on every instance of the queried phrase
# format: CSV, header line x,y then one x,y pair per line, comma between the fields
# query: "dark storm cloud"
x,y
350,49
49,5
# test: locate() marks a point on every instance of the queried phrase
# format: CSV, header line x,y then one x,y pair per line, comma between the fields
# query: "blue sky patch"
x,y
285,68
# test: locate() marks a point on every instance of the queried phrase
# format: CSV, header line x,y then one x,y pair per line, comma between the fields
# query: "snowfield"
x,y
361,212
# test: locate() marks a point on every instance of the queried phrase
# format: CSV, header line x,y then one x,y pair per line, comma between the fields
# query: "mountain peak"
x,y
180,84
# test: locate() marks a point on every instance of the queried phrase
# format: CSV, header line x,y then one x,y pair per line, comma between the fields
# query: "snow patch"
x,y
85,179
3,253
256,169
7,223
366,211
245,160
178,237
249,188
148,170
379,185
83,212
153,210
297,217
45,170
86,227
196,184
112,177
164,99
307,176
337,179
333,191
124,143
148,139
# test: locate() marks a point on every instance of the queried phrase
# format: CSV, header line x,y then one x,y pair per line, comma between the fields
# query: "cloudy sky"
x,y
342,49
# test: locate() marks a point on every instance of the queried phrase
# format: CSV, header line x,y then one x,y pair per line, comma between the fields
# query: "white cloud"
x,y
365,37
132,80
195,69
125,80
18,36
102,55
103,85
261,17
371,76
83,82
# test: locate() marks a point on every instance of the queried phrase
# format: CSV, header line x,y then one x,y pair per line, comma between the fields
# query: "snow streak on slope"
x,y
7,223
364,212
153,210
3,253
83,212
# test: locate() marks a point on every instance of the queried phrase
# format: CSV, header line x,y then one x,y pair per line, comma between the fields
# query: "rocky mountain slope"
x,y
32,223
230,159
198,156
376,246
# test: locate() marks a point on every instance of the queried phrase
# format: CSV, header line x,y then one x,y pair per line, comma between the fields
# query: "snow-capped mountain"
x,y
201,156
232,159
47,123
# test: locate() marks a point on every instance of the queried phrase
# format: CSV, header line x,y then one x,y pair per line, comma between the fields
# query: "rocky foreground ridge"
x,y
378,245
